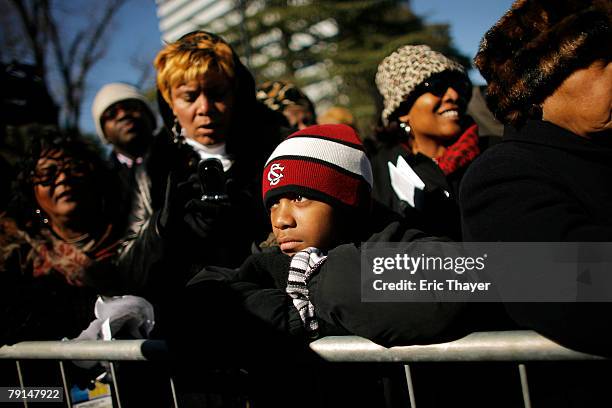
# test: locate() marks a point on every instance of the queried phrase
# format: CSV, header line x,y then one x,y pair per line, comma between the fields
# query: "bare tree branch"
x,y
35,31
72,59
143,65
74,46
75,61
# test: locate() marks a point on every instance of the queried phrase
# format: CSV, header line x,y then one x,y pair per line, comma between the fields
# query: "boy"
x,y
317,187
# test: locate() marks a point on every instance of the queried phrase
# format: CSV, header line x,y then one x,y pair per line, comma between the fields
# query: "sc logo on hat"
x,y
275,174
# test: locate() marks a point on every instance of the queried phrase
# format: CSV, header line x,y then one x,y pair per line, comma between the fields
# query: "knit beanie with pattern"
x,y
110,94
322,162
277,95
401,72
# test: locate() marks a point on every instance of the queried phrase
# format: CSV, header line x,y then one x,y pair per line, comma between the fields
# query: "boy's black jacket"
x,y
256,293
244,318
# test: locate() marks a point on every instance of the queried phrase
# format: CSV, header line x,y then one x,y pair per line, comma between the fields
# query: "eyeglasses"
x,y
47,174
439,84
130,105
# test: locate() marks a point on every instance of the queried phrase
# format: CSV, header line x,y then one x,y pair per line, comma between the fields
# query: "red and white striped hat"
x,y
323,162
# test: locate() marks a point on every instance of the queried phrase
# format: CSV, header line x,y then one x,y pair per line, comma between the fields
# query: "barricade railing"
x,y
508,346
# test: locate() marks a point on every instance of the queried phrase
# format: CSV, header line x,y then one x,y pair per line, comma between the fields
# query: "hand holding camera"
x,y
198,204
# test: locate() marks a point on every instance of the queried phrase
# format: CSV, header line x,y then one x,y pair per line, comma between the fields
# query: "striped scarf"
x,y
303,265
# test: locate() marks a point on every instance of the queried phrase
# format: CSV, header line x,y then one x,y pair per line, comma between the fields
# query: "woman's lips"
x,y
210,128
65,195
452,113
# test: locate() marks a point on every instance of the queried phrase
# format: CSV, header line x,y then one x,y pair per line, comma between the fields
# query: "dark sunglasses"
x,y
130,105
439,84
47,175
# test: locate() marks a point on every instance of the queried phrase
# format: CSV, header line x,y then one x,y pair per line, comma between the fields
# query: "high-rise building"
x,y
264,52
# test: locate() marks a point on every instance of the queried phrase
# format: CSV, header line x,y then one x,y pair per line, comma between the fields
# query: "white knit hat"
x,y
110,94
402,71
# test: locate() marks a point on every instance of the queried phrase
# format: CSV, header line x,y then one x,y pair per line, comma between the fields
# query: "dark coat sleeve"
x,y
239,314
516,199
255,298
144,247
336,294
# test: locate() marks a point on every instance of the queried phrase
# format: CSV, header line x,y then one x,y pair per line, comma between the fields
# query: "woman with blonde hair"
x,y
197,198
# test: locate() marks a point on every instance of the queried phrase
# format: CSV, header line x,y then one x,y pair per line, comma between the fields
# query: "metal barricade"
x,y
509,346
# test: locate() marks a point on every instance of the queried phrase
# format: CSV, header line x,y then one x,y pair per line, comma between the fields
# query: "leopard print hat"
x,y
402,71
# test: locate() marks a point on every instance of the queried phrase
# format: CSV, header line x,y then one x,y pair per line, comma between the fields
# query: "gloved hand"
x,y
126,316
184,210
206,218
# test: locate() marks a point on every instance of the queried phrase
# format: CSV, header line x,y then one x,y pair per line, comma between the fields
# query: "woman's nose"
x,y
451,94
61,176
202,104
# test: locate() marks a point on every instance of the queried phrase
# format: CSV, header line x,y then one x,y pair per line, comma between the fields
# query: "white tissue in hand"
x,y
131,314
404,181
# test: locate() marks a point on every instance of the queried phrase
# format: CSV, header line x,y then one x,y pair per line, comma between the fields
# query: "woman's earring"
x,y
39,214
405,126
177,131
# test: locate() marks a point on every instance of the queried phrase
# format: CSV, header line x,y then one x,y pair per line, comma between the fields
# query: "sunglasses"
x,y
130,105
439,84
47,174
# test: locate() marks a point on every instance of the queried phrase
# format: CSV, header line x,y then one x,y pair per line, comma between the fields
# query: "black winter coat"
x,y
437,208
157,264
544,183
438,212
247,319
258,287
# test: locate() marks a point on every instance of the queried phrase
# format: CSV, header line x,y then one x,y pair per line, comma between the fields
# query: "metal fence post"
x,y
65,382
20,377
115,385
410,385
173,390
524,385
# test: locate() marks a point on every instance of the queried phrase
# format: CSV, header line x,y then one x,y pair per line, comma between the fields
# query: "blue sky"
x,y
135,35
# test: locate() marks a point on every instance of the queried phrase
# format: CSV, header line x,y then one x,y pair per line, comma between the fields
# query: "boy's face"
x,y
299,222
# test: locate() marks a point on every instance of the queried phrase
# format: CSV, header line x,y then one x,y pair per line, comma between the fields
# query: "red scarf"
x,y
461,153
70,260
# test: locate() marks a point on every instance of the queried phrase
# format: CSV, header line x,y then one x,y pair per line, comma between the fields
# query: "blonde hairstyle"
x,y
190,58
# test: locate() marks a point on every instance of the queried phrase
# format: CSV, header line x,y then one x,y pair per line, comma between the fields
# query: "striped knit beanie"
x,y
322,162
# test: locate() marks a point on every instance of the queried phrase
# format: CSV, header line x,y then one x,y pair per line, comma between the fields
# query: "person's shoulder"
x,y
388,152
503,158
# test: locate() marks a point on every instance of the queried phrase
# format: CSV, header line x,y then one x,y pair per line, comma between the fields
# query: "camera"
x,y
213,180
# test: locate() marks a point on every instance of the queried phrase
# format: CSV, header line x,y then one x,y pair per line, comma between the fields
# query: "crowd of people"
x,y
240,220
